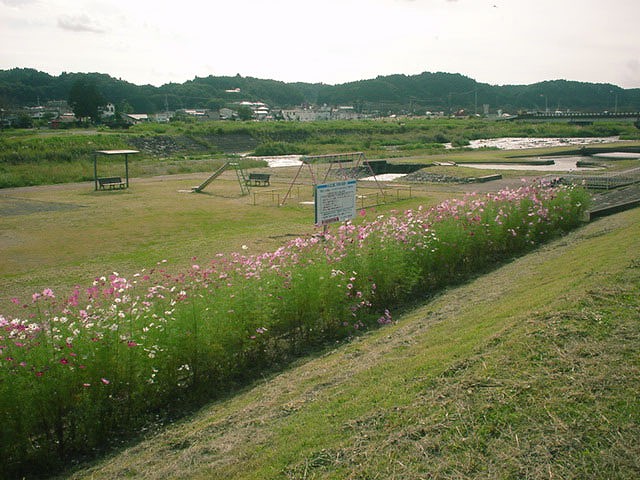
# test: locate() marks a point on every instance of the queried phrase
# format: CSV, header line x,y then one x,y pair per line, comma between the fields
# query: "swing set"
x,y
320,166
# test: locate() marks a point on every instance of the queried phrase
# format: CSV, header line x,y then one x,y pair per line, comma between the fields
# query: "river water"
x,y
560,164
518,143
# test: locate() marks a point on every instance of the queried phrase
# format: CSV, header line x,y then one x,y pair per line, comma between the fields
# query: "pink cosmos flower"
x,y
386,318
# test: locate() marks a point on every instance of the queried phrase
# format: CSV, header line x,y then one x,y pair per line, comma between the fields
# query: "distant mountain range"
x,y
436,92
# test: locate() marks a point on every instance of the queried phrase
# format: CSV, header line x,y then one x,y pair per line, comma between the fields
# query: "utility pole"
x,y
475,105
546,104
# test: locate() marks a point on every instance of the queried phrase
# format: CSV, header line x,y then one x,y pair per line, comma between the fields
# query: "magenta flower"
x,y
386,318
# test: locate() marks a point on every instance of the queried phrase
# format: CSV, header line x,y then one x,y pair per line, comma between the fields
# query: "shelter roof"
x,y
117,152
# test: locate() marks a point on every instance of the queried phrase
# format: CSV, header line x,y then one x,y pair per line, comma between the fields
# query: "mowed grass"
x,y
65,235
529,371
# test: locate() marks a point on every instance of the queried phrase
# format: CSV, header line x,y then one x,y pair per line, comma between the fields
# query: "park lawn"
x,y
528,371
60,236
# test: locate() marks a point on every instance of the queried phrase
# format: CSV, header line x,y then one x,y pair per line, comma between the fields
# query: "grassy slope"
x,y
530,371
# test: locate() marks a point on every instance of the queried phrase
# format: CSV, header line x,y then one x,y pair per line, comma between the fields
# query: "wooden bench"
x,y
111,182
259,179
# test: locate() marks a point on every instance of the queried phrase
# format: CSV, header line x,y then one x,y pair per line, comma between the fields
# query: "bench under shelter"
x,y
112,182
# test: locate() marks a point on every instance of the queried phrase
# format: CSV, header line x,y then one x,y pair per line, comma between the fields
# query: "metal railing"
x,y
605,181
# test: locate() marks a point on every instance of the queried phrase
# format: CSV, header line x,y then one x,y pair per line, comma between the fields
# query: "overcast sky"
x,y
331,41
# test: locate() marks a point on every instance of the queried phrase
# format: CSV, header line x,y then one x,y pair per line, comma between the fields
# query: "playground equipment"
x,y
240,175
316,163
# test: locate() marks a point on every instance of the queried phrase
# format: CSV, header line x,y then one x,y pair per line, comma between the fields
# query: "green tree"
x,y
124,107
245,113
215,103
24,121
85,99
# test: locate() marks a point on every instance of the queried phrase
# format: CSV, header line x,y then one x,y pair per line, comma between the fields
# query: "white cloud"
x,y
17,3
334,41
79,23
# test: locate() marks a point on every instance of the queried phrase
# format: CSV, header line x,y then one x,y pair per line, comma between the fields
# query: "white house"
x,y
306,114
108,111
135,118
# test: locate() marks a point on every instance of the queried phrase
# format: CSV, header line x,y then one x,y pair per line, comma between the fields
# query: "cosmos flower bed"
x,y
104,360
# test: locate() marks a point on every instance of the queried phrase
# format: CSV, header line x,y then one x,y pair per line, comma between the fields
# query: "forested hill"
x,y
385,94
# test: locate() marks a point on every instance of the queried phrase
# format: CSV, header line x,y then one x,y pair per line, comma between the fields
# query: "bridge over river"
x,y
577,117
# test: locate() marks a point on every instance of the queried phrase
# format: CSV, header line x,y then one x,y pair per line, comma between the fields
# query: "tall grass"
x,y
106,359
438,130
38,148
20,151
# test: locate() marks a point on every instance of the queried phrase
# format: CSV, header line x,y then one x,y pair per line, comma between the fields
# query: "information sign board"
x,y
335,202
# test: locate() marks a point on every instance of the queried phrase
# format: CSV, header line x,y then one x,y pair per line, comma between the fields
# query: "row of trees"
x,y
385,94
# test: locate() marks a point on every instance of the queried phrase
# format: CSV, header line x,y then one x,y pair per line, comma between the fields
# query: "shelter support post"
x,y
126,168
95,170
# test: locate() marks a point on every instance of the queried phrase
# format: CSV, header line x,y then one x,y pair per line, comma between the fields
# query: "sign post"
x,y
335,202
